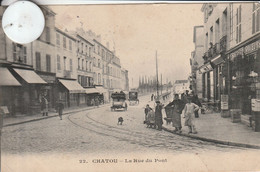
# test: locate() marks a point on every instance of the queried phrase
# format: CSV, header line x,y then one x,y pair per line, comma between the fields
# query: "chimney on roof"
x,y
107,45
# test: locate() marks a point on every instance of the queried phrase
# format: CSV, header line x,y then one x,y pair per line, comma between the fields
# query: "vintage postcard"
x,y
130,87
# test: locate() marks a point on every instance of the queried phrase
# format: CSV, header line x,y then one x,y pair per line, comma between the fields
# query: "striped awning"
x,y
30,76
7,79
72,86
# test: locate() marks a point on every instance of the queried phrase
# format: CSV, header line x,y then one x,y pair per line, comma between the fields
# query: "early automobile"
x,y
133,98
118,101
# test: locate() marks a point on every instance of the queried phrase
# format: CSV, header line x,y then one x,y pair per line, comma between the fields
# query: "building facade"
x,y
231,58
28,70
72,66
196,61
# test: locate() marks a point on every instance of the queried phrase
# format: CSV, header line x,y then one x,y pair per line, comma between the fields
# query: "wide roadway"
x,y
96,134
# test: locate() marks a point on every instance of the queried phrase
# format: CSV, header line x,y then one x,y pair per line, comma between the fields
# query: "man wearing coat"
x,y
177,105
158,115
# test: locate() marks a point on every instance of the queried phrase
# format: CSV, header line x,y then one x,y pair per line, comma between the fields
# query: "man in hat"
x,y
158,115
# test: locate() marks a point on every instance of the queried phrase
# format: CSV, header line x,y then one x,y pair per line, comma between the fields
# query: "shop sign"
x,y
236,53
252,47
205,68
255,105
224,102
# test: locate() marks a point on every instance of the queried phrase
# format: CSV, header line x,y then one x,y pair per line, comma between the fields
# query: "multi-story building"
x,y
244,56
196,61
28,70
215,36
67,87
232,52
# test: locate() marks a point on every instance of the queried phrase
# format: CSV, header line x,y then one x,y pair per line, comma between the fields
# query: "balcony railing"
x,y
67,74
216,49
223,44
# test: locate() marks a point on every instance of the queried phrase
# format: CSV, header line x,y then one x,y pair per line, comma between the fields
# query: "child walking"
x,y
188,114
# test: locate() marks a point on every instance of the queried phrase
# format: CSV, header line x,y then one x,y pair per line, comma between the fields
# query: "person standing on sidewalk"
x,y
44,105
188,113
59,108
196,101
146,110
158,115
152,96
177,106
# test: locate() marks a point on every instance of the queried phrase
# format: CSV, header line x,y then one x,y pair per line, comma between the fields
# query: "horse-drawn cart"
x,y
118,101
133,98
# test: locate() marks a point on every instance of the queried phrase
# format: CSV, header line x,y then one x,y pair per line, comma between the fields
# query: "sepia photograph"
x,y
130,87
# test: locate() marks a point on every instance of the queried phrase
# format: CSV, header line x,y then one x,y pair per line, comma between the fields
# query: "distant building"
x,y
180,86
196,61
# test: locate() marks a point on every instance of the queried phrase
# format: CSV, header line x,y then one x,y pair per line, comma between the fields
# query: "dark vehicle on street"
x,y
133,98
118,101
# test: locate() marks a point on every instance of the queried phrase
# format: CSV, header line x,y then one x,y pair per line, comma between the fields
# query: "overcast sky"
x,y
137,31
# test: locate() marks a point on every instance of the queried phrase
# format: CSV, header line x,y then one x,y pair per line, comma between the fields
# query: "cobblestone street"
x,y
96,131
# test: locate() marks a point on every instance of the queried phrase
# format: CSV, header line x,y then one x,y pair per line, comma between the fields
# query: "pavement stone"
x,y
214,128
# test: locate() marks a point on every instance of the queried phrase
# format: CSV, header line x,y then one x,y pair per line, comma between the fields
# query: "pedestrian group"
x,y
188,105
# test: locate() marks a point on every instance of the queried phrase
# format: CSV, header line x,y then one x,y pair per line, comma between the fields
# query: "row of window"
x,y
237,31
84,48
106,55
84,65
85,81
64,41
38,62
65,66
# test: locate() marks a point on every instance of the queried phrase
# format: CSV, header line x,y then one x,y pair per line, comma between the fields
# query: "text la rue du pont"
x,y
144,160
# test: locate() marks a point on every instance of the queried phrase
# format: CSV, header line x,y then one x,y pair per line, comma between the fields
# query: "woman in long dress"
x,y
176,106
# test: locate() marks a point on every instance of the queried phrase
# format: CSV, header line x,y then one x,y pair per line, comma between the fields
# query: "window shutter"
x,y
253,23
258,20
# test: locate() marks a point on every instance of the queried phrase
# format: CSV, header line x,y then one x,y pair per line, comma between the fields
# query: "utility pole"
x,y
132,82
157,82
167,84
161,85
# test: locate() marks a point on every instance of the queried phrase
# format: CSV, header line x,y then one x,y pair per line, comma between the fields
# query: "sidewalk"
x,y
214,128
9,121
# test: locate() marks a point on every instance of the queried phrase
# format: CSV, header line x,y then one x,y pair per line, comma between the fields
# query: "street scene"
x,y
172,87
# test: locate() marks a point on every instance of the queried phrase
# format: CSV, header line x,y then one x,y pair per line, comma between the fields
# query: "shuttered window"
x,y
38,61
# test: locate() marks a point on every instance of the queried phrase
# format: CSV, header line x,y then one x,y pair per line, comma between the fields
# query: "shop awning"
x,y
7,79
217,60
205,68
72,86
30,76
101,90
91,90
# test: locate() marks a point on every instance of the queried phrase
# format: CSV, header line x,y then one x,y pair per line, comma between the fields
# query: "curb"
x,y
243,145
38,119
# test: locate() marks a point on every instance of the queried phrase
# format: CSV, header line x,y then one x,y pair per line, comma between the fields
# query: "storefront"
x,y
91,95
207,81
8,88
244,62
27,97
49,88
70,92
